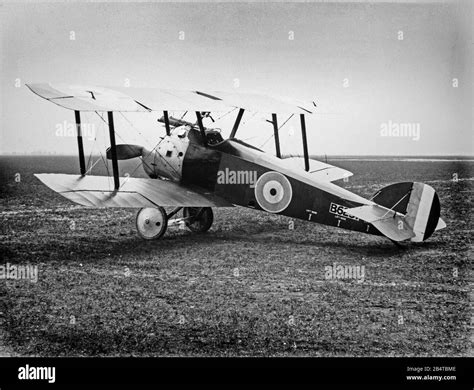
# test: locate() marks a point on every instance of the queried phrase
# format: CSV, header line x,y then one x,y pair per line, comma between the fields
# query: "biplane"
x,y
193,169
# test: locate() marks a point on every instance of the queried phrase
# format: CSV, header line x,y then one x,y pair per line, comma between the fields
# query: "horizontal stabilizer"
x,y
388,222
371,213
98,191
319,170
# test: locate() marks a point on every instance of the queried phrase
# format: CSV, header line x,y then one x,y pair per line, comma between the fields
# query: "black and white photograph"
x,y
255,180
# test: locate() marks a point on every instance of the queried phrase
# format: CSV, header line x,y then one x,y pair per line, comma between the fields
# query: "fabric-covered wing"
x,y
86,98
98,191
90,98
262,103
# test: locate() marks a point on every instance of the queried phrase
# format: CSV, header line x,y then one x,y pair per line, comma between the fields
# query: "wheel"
x,y
151,222
201,218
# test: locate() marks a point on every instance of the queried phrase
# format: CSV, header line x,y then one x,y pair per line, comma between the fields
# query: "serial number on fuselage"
x,y
338,210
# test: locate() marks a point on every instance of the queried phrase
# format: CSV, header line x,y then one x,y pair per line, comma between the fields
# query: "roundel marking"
x,y
273,192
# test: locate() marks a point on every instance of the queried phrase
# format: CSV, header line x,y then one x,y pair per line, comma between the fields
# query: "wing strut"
x,y
277,138
237,123
113,149
201,127
167,122
80,146
305,143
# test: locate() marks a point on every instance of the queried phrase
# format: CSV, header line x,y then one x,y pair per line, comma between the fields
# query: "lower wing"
x,y
98,191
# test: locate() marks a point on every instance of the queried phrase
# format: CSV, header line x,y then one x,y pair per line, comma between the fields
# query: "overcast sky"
x,y
369,66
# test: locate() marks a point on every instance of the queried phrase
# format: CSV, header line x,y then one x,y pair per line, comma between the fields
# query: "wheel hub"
x,y
151,222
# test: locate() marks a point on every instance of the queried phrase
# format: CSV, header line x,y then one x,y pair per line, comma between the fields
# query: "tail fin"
x,y
420,204
403,211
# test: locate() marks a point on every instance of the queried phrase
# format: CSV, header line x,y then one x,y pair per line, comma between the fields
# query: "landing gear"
x,y
151,222
198,219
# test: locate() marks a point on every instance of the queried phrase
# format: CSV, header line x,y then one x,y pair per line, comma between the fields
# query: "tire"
x,y
151,222
202,223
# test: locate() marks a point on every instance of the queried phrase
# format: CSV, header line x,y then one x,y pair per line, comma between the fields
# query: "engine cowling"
x,y
165,161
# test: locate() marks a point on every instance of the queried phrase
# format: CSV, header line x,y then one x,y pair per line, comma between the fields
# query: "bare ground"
x,y
250,286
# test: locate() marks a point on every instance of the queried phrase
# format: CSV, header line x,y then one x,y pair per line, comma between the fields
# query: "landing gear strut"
x,y
152,222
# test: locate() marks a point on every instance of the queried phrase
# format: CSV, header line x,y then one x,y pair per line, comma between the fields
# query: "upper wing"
x,y
98,191
86,98
91,98
319,170
261,103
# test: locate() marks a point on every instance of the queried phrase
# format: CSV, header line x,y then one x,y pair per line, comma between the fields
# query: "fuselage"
x,y
248,177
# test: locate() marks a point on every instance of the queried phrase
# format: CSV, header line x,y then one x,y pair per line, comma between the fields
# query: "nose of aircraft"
x,y
166,160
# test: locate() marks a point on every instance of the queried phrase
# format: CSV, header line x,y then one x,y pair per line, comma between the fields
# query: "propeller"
x,y
125,152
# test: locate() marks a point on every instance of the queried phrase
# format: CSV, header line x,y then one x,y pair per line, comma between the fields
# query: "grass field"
x,y
249,287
